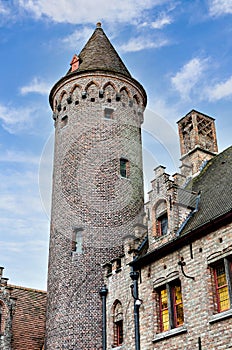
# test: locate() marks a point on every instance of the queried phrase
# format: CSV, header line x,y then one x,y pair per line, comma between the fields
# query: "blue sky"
x,y
180,51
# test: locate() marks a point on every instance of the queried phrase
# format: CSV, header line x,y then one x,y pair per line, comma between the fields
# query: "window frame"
x,y
124,166
172,306
108,113
159,224
227,266
118,336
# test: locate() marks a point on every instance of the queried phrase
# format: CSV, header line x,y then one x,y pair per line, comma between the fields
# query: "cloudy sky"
x,y
181,52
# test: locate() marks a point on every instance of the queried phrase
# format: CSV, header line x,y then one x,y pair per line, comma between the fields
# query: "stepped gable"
x,y
215,186
99,54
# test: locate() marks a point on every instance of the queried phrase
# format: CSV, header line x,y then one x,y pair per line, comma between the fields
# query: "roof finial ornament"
x,y
98,25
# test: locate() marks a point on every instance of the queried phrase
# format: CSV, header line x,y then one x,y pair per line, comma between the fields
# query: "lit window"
x,y
170,306
108,113
118,324
222,277
124,167
162,225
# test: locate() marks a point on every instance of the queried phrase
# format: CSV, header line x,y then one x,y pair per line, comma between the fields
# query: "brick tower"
x,y
97,187
198,141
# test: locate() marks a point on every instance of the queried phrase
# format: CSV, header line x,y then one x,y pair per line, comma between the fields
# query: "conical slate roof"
x,y
99,54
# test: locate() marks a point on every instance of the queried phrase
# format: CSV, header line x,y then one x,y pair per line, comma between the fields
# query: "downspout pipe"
x,y
134,275
103,293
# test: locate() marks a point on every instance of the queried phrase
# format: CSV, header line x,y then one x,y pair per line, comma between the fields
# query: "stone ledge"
x,y
172,333
220,316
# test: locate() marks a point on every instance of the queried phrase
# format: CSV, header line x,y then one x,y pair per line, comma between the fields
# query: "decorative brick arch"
x,y
63,93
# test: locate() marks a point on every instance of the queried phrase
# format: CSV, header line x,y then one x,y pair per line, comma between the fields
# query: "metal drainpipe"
x,y
135,276
103,293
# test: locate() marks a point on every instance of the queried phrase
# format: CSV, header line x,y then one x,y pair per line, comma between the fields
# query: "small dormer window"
x,y
160,218
162,225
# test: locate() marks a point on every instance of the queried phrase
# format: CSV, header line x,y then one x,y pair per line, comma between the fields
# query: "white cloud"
x,y
220,7
88,11
220,90
161,22
3,9
78,36
15,120
11,156
188,77
36,86
142,43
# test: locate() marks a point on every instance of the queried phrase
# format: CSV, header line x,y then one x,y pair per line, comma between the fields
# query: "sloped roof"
x,y
99,54
28,323
215,186
215,206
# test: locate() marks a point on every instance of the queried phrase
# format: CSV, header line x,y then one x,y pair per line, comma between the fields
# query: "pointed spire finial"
x,y
98,25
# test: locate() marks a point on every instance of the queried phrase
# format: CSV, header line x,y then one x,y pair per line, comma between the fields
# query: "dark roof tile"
x,y
214,183
99,54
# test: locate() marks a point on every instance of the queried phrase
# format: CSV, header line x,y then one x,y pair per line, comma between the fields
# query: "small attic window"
x,y
162,225
108,113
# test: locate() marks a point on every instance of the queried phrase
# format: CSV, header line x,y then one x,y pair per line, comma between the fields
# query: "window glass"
x,y
171,306
222,292
124,167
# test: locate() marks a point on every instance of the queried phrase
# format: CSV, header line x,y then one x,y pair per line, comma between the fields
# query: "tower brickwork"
x,y
198,141
97,187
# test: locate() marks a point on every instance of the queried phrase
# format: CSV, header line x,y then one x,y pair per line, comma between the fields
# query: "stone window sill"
x,y
220,316
172,333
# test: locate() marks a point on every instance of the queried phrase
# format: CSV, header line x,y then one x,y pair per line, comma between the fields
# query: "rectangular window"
x,y
170,306
222,278
77,241
124,167
162,225
118,333
108,113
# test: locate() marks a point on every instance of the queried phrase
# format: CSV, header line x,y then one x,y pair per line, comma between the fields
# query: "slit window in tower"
x,y
64,121
77,241
108,113
124,167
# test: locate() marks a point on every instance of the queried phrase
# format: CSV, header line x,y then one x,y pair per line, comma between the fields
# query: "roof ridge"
x,y
26,288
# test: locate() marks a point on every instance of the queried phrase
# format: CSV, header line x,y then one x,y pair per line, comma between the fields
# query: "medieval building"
x,y
123,274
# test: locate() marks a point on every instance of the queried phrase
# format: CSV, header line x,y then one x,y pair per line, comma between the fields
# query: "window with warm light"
x,y
222,278
170,306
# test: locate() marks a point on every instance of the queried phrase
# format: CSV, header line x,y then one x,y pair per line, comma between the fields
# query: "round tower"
x,y
97,187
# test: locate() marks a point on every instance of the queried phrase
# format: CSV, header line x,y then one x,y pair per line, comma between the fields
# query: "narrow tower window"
x,y
108,113
124,167
77,240
64,121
